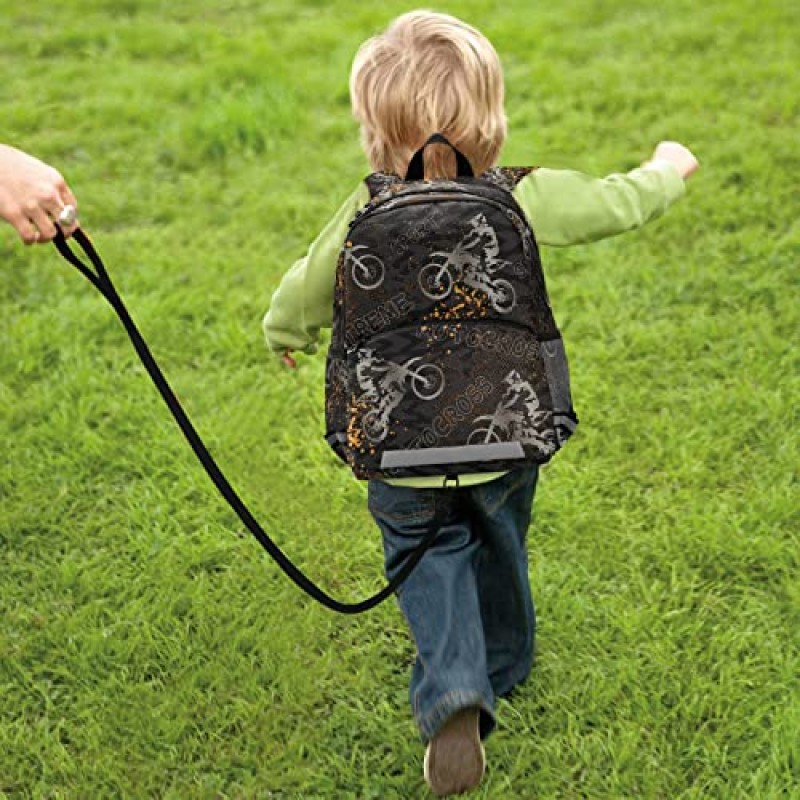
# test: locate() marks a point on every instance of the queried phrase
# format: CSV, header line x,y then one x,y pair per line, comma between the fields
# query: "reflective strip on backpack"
x,y
499,451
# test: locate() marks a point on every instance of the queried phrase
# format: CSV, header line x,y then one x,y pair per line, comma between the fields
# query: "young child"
x,y
468,603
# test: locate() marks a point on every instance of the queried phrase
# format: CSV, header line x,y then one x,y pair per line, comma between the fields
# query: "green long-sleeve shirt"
x,y
564,208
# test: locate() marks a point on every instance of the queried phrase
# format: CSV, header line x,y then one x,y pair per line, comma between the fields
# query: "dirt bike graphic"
x,y
515,418
473,262
367,270
386,383
335,373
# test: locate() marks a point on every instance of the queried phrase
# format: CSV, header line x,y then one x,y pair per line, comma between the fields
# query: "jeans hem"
x,y
501,689
502,684
447,705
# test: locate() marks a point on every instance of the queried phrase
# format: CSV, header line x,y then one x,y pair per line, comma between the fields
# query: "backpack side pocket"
x,y
556,368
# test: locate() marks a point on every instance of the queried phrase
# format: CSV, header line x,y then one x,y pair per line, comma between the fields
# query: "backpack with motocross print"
x,y
445,358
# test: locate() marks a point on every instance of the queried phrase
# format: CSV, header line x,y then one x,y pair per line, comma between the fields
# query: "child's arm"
x,y
303,302
567,207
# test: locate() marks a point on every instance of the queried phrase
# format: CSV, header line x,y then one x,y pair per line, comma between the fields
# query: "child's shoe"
x,y
455,759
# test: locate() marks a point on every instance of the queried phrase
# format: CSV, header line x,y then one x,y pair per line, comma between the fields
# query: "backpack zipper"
x,y
522,228
461,324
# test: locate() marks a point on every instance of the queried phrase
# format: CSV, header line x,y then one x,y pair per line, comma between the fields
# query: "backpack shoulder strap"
x,y
378,182
507,177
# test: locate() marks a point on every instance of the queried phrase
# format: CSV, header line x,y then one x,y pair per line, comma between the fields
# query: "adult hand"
x,y
32,196
679,156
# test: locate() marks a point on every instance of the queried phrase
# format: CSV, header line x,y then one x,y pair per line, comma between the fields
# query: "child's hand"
x,y
679,156
287,359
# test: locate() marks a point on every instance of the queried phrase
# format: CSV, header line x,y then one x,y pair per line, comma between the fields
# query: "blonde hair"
x,y
428,73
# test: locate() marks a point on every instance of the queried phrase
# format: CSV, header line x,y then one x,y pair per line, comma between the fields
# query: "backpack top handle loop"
x,y
416,167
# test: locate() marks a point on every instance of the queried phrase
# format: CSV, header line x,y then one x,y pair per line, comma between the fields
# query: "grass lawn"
x,y
149,649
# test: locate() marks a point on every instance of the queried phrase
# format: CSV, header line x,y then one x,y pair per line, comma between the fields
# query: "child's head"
x,y
428,73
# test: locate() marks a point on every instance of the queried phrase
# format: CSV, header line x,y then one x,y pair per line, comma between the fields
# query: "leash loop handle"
x,y
101,280
416,167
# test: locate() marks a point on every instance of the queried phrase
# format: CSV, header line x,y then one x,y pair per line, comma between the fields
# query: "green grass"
x,y
148,648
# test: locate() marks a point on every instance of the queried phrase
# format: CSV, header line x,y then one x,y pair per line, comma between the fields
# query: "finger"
x,y
288,360
21,225
69,227
65,193
28,232
50,202
45,225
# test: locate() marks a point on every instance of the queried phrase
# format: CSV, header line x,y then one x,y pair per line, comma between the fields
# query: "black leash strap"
x,y
101,280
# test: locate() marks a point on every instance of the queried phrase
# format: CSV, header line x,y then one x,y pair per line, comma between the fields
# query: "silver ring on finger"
x,y
67,215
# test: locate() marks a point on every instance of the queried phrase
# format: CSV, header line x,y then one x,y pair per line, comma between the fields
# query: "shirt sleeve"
x,y
303,302
566,207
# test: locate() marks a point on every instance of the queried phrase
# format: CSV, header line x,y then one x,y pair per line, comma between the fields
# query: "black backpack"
x,y
445,358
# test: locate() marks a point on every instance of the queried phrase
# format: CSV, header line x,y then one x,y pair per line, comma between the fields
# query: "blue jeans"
x,y
468,602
